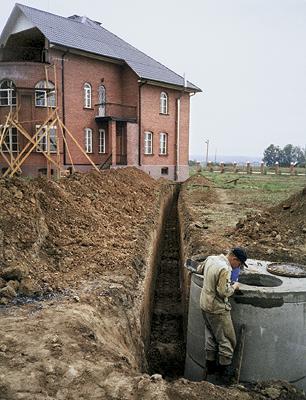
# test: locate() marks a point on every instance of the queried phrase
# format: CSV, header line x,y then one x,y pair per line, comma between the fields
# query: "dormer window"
x,y
44,94
87,95
7,93
163,105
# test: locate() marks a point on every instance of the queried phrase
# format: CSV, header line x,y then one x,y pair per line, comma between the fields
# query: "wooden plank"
x,y
67,147
79,147
32,139
35,144
239,354
27,135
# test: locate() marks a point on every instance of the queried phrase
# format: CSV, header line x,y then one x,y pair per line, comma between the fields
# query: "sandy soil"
x,y
73,266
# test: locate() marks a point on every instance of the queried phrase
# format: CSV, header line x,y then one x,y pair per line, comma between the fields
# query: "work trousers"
x,y
220,337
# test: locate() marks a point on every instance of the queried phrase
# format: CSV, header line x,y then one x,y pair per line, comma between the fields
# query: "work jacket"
x,y
217,286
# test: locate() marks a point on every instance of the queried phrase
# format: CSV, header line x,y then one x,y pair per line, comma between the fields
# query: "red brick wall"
x,y
78,71
121,85
153,121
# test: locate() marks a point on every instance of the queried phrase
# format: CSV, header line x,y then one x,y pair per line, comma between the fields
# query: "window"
x,y
10,143
163,106
7,93
87,95
88,140
47,140
148,141
102,100
44,94
163,138
164,171
101,141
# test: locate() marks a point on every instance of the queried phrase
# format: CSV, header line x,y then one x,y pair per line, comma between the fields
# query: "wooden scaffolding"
x,y
43,134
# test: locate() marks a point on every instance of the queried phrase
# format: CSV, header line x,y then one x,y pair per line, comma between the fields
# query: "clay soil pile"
x,y
55,236
214,221
276,232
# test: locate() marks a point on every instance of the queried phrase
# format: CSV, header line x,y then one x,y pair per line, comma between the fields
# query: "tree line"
x,y
284,156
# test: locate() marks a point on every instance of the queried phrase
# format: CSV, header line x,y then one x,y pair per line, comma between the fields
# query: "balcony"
x,y
19,54
115,111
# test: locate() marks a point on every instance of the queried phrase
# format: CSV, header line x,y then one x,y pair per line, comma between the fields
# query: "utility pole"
x,y
207,145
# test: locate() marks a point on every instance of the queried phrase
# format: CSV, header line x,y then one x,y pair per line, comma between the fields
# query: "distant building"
x,y
121,106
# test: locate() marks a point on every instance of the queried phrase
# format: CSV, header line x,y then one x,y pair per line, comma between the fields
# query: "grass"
x,y
260,190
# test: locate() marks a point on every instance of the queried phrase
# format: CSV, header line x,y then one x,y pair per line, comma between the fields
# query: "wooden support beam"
x,y
27,135
79,147
6,125
66,144
34,140
35,144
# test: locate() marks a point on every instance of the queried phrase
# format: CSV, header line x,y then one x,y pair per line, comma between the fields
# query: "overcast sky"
x,y
248,57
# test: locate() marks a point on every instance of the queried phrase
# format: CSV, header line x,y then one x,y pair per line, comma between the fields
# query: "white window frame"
x,y
102,147
42,146
163,105
148,142
10,143
88,140
9,97
44,97
163,143
87,95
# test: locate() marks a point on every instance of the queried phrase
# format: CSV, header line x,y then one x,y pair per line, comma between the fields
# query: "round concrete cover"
x,y
290,270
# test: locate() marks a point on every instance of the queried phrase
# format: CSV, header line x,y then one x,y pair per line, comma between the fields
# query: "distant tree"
x,y
289,154
300,155
192,163
272,154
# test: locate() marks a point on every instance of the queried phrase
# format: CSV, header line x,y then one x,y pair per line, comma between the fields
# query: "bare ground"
x,y
74,259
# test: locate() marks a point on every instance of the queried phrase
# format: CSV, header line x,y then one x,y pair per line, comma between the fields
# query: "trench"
x,y
166,352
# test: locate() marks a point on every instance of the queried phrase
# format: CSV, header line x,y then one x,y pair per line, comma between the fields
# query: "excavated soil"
x,y
74,267
215,220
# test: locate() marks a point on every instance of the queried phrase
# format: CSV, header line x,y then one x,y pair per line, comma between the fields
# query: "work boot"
x,y
211,367
227,374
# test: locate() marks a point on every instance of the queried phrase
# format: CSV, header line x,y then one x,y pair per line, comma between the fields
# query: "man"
x,y
220,338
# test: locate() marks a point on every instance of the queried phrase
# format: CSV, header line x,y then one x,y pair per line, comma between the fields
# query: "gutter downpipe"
x,y
178,118
63,104
141,83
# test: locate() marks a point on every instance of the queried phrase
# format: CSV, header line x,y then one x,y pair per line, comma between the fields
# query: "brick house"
x,y
122,107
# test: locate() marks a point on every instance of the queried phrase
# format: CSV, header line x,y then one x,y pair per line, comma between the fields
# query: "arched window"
x,y
163,143
45,94
148,143
163,105
87,95
88,140
7,93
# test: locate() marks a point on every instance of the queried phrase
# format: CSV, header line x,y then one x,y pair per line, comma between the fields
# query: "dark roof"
x,y
84,34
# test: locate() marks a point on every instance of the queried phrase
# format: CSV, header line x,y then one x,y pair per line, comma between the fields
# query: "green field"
x,y
264,190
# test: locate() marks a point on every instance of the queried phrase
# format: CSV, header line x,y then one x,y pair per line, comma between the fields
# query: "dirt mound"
x,y
278,232
54,235
198,180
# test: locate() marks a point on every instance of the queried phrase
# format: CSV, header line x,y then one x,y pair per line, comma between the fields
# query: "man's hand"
x,y
235,285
